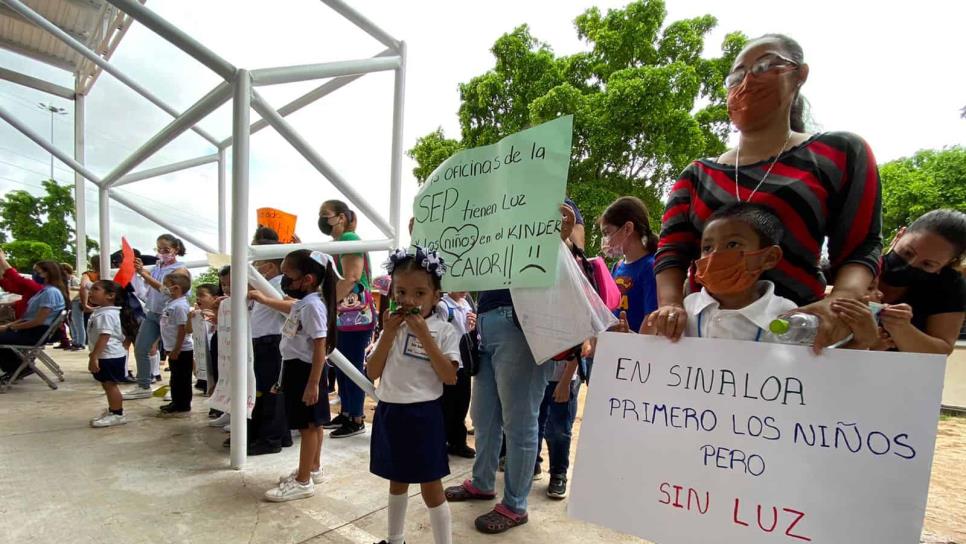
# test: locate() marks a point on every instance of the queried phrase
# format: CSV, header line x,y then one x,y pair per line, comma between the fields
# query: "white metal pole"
x,y
279,251
395,175
149,173
302,146
362,22
207,104
42,142
239,268
43,23
176,37
104,217
291,74
80,200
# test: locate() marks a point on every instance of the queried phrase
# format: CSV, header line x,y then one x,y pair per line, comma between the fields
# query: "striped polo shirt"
x,y
827,186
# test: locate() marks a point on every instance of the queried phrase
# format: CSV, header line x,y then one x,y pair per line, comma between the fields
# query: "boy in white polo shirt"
x,y
738,244
177,342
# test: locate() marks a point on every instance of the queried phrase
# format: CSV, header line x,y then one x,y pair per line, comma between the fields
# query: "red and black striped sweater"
x,y
828,186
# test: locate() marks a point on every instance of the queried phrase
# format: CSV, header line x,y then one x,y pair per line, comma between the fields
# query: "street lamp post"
x,y
53,110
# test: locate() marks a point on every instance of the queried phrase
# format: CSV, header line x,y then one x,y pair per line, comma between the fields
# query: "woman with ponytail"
x,y
824,187
169,248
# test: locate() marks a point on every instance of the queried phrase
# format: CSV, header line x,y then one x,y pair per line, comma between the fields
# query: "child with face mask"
x,y
738,244
176,341
628,237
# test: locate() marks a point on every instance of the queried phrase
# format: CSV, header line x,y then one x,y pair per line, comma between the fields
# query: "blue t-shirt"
x,y
48,297
638,290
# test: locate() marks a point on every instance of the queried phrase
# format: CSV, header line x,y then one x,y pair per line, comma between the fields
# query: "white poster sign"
x,y
221,398
720,441
556,318
199,337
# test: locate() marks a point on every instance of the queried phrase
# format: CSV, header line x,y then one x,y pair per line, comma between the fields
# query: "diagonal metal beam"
x,y
362,22
302,146
42,142
37,84
176,37
56,62
159,220
43,23
165,169
209,103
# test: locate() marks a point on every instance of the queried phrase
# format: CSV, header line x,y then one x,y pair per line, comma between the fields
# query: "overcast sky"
x,y
891,74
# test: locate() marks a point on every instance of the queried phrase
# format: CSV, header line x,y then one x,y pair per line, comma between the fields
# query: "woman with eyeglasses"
x,y
823,186
169,248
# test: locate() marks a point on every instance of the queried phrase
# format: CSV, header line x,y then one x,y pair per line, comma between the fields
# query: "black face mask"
x,y
897,272
324,226
289,290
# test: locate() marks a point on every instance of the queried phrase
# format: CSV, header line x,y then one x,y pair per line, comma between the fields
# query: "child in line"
x,y
308,336
417,353
177,342
461,313
628,237
738,244
268,430
111,321
218,418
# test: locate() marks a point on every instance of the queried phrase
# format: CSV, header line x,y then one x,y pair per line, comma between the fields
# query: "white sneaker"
x,y
137,393
167,397
220,421
316,476
290,490
108,420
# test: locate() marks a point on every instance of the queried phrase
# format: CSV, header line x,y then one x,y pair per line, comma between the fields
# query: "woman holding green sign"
x,y
355,315
507,392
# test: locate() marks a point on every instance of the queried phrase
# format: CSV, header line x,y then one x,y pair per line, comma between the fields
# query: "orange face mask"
x,y
755,97
726,272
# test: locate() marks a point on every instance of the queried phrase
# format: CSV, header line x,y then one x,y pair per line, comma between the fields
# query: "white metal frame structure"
x,y
239,87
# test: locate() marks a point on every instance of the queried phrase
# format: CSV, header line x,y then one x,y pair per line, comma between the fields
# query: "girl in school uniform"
x,y
418,352
307,337
111,322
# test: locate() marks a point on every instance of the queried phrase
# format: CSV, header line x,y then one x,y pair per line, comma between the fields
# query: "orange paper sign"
x,y
281,222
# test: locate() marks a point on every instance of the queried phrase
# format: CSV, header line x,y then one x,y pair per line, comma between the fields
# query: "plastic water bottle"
x,y
796,328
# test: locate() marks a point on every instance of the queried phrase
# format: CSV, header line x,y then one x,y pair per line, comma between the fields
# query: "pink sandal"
x,y
499,520
467,492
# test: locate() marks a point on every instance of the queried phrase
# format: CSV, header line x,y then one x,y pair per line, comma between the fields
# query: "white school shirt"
x,y
267,321
409,376
707,320
307,322
175,313
461,310
155,300
107,320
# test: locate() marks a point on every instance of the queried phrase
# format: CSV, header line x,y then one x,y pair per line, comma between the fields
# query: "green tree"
x,y
48,218
22,254
645,103
928,180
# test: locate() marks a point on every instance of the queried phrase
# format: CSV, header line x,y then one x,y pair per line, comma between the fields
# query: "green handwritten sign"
x,y
493,212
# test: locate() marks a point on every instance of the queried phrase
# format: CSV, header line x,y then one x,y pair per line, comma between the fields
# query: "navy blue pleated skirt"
x,y
295,376
409,442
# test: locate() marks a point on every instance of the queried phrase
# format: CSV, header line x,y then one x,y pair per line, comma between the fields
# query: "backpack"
x,y
606,286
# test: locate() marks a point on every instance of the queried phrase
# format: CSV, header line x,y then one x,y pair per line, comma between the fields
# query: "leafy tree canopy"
x,y
48,219
928,180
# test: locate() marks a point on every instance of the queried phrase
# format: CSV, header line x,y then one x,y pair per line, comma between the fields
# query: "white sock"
x,y
442,523
155,365
397,518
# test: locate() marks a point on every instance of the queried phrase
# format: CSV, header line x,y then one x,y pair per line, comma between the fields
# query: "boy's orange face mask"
x,y
727,272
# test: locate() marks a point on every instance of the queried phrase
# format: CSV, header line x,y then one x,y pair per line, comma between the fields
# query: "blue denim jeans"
x,y
78,332
507,393
556,422
353,346
148,334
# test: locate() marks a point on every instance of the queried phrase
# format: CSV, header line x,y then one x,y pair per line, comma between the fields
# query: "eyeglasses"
x,y
765,64
164,250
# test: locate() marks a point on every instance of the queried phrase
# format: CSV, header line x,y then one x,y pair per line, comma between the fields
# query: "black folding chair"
x,y
29,355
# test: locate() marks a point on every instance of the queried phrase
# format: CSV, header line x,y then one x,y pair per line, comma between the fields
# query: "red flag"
x,y
125,272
